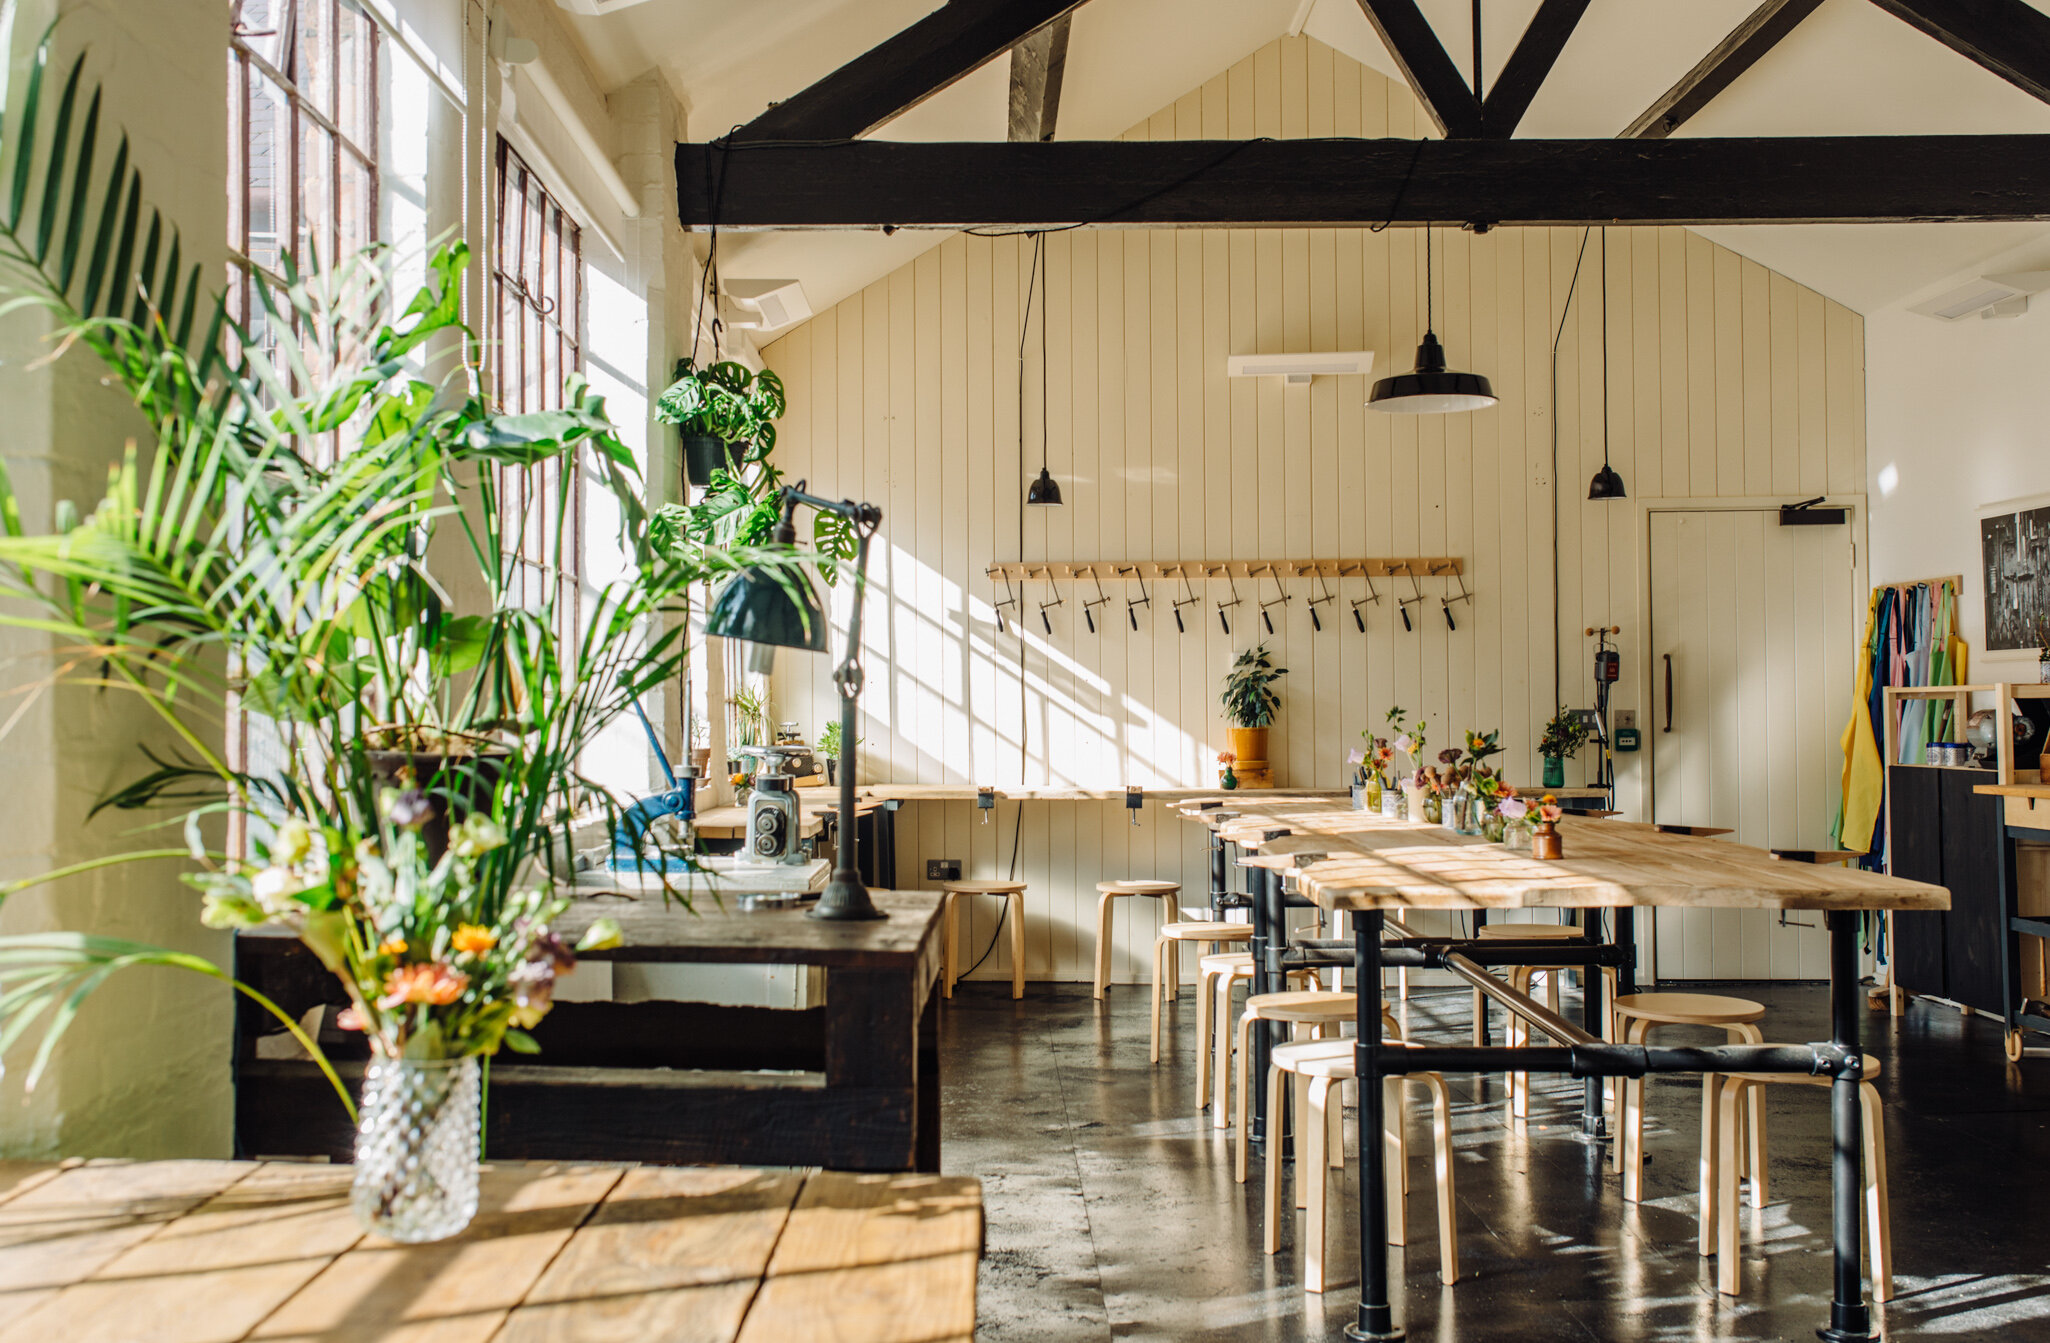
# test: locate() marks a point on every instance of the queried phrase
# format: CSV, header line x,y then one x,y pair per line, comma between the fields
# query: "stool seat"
x,y
1336,1059
1303,1005
1138,887
1013,892
1207,932
1688,1009
1530,932
1224,962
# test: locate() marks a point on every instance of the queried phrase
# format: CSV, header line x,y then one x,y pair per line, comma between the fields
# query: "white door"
x,y
1753,643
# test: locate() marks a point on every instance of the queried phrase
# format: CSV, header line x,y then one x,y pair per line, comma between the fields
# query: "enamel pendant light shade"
x,y
1431,388
1606,483
1045,491
769,610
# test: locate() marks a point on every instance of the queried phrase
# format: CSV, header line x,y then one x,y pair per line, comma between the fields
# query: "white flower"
x,y
292,843
274,887
476,836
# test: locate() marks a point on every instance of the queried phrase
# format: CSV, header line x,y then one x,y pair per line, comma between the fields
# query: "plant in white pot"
x,y
1250,704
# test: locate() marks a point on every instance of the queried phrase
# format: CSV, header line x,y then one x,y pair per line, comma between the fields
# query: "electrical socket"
x,y
943,869
1590,718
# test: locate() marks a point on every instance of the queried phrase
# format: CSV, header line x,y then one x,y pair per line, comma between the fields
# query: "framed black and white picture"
x,y
2014,573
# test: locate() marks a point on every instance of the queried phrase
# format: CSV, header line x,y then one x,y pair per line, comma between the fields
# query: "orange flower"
x,y
392,946
349,1019
435,984
474,939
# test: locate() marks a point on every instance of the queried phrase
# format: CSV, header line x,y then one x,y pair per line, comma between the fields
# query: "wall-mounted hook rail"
x,y
1222,607
1132,604
1446,602
1189,599
1282,599
1404,603
1089,607
1314,602
1145,570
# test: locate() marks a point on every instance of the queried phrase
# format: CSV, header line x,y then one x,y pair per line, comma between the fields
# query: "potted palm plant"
x,y
1250,704
725,414
225,569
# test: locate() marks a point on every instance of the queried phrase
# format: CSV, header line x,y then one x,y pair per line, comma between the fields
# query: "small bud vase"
x,y
416,1148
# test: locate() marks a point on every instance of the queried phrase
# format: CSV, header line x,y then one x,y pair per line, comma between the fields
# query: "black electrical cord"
x,y
1558,654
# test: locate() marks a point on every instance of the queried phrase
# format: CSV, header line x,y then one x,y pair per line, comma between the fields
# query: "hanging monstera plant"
x,y
725,413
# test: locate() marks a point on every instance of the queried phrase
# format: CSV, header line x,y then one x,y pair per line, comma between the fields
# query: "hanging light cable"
x,y
1044,492
1606,483
1430,389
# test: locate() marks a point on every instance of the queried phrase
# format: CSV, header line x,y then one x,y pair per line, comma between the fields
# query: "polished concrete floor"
x,y
1112,1212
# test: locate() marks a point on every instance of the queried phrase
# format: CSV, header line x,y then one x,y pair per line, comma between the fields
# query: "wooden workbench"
x,y
853,1084
183,1251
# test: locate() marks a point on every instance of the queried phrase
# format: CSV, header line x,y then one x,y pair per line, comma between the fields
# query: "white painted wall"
x,y
144,1070
1725,381
1958,411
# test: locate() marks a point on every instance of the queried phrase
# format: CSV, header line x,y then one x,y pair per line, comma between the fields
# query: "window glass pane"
x,y
313,60
352,59
269,134
354,200
257,22
316,244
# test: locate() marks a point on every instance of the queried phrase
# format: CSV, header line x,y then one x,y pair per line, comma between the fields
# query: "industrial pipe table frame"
x,y
1365,865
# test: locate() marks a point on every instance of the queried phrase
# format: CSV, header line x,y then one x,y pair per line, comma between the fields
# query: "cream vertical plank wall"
x,y
1724,380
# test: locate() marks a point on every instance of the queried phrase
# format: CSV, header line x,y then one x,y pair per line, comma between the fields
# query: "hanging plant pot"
x,y
702,455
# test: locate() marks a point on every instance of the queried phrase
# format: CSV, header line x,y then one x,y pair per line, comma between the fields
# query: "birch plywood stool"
x,y
1218,974
1517,1031
950,954
1208,937
1636,1014
1311,1013
1720,1149
1167,892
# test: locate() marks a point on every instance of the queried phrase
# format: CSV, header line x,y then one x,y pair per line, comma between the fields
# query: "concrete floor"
x,y
1112,1210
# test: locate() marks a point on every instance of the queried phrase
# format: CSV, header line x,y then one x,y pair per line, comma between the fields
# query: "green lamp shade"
x,y
758,606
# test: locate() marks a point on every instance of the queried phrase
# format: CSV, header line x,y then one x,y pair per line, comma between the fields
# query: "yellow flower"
x,y
527,1018
392,946
474,939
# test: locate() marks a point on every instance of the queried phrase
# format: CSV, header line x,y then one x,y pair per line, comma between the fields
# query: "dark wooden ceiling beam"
x,y
1427,66
1038,65
1749,40
1349,183
954,40
2008,37
1537,51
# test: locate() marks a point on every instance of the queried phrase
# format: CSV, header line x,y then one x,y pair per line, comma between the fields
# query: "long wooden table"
x,y
853,1084
185,1251
1348,860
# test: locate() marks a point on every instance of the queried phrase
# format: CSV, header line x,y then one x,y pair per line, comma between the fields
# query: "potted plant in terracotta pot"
x,y
1249,706
1563,736
725,415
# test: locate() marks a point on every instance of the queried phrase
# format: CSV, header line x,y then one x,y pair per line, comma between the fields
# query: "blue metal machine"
x,y
629,835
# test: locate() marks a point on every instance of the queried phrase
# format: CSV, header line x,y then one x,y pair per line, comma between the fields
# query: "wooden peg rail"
x,y
1109,571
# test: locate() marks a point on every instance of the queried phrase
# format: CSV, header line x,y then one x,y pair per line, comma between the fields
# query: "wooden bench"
x,y
103,1252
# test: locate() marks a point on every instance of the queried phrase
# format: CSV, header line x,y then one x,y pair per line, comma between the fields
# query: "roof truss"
x,y
2008,37
1759,33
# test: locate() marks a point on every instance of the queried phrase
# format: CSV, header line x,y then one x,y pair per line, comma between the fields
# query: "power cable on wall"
x,y
1558,651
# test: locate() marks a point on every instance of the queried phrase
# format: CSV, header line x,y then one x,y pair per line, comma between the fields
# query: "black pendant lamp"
x,y
1431,389
1044,492
1606,483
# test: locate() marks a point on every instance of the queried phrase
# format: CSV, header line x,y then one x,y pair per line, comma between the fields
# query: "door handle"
x,y
1669,694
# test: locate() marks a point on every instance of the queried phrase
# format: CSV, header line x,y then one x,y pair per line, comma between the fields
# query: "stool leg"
x,y
949,951
1391,1159
1878,1218
1159,950
1017,944
1480,1015
1103,900
1276,1213
1633,1158
1729,1267
1301,1098
1519,1083
1334,1135
1754,1162
1711,1094
1245,1032
1441,1157
1315,1118
1609,1031
1220,1066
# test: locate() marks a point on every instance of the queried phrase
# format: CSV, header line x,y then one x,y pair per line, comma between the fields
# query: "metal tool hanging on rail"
x,y
1132,604
1404,603
1190,599
1282,599
1222,607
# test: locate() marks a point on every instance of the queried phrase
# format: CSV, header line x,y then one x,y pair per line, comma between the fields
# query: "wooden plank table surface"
x,y
185,1251
1376,863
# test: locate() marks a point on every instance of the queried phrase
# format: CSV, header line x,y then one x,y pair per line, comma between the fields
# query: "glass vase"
x,y
1555,771
1493,824
416,1148
1434,809
1391,803
1516,835
1466,812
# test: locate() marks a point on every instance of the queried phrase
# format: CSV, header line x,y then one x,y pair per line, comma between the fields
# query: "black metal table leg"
x,y
1376,1321
1626,937
1850,1321
1220,876
1480,921
1592,986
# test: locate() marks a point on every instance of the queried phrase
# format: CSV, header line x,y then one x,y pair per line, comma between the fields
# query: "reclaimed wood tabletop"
x,y
193,1251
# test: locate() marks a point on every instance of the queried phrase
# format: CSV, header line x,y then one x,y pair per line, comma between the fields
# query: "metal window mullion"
x,y
298,99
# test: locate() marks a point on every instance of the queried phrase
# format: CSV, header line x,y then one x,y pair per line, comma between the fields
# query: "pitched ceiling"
x,y
1848,69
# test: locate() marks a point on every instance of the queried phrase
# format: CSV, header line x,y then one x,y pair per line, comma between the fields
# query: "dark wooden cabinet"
x,y
1946,834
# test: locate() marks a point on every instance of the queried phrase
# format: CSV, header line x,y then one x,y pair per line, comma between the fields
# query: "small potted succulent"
x,y
725,414
1563,736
